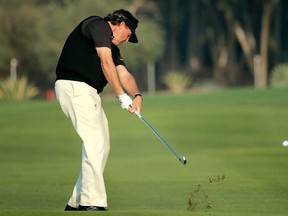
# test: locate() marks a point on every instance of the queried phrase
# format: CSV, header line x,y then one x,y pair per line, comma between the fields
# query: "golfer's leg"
x,y
89,125
106,140
64,93
75,198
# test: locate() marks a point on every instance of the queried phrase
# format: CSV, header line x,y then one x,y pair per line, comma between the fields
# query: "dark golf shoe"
x,y
69,208
91,208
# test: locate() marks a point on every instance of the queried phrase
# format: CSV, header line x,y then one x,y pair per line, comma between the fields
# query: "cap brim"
x,y
133,38
132,26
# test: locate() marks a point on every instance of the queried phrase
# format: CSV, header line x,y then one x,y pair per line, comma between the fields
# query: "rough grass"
x,y
236,134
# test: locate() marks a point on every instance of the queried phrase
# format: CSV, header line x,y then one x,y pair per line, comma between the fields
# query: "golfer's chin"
x,y
118,43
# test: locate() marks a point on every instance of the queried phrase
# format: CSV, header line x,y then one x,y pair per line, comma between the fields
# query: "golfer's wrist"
x,y
125,101
120,94
138,95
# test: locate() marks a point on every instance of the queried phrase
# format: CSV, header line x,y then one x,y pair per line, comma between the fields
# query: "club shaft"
x,y
158,135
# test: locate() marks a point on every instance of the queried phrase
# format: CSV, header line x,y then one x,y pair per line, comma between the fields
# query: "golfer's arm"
x,y
127,80
109,70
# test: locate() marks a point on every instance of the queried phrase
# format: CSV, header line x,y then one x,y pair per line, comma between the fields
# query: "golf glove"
x,y
125,101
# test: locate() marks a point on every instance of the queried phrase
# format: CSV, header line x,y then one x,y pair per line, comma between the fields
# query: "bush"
x,y
17,90
177,81
279,76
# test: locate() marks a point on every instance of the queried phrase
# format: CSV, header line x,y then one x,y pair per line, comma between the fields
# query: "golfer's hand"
x,y
125,101
136,105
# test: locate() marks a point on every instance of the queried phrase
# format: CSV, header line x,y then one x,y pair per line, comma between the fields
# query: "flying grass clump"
x,y
199,199
217,179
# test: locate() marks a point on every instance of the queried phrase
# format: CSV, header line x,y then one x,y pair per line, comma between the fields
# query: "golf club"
x,y
182,160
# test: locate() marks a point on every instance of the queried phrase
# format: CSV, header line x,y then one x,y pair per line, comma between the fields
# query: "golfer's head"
x,y
124,26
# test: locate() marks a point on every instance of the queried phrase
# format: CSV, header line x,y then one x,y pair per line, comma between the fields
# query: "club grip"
x,y
137,114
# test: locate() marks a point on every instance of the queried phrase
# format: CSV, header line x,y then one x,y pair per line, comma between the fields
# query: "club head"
x,y
183,161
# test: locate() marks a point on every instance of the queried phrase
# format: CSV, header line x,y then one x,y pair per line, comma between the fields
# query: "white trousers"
x,y
82,104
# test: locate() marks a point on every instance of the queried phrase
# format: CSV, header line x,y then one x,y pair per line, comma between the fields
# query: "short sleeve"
x,y
117,59
99,30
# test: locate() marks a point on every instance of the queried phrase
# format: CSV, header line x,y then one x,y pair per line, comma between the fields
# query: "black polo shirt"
x,y
79,60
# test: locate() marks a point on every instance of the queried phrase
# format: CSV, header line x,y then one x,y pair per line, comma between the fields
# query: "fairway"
x,y
232,139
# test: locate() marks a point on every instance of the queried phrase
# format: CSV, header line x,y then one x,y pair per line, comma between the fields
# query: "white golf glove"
x,y
125,101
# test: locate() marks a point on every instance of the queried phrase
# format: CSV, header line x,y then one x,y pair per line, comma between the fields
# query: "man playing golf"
x,y
89,60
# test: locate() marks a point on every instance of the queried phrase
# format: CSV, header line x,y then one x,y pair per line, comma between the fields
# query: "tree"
x,y
268,8
34,32
17,33
243,25
224,36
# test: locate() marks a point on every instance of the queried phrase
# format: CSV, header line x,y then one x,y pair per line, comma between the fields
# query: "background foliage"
x,y
215,40
279,76
17,90
35,31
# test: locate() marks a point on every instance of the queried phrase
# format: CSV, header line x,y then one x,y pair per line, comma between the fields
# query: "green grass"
x,y
236,133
